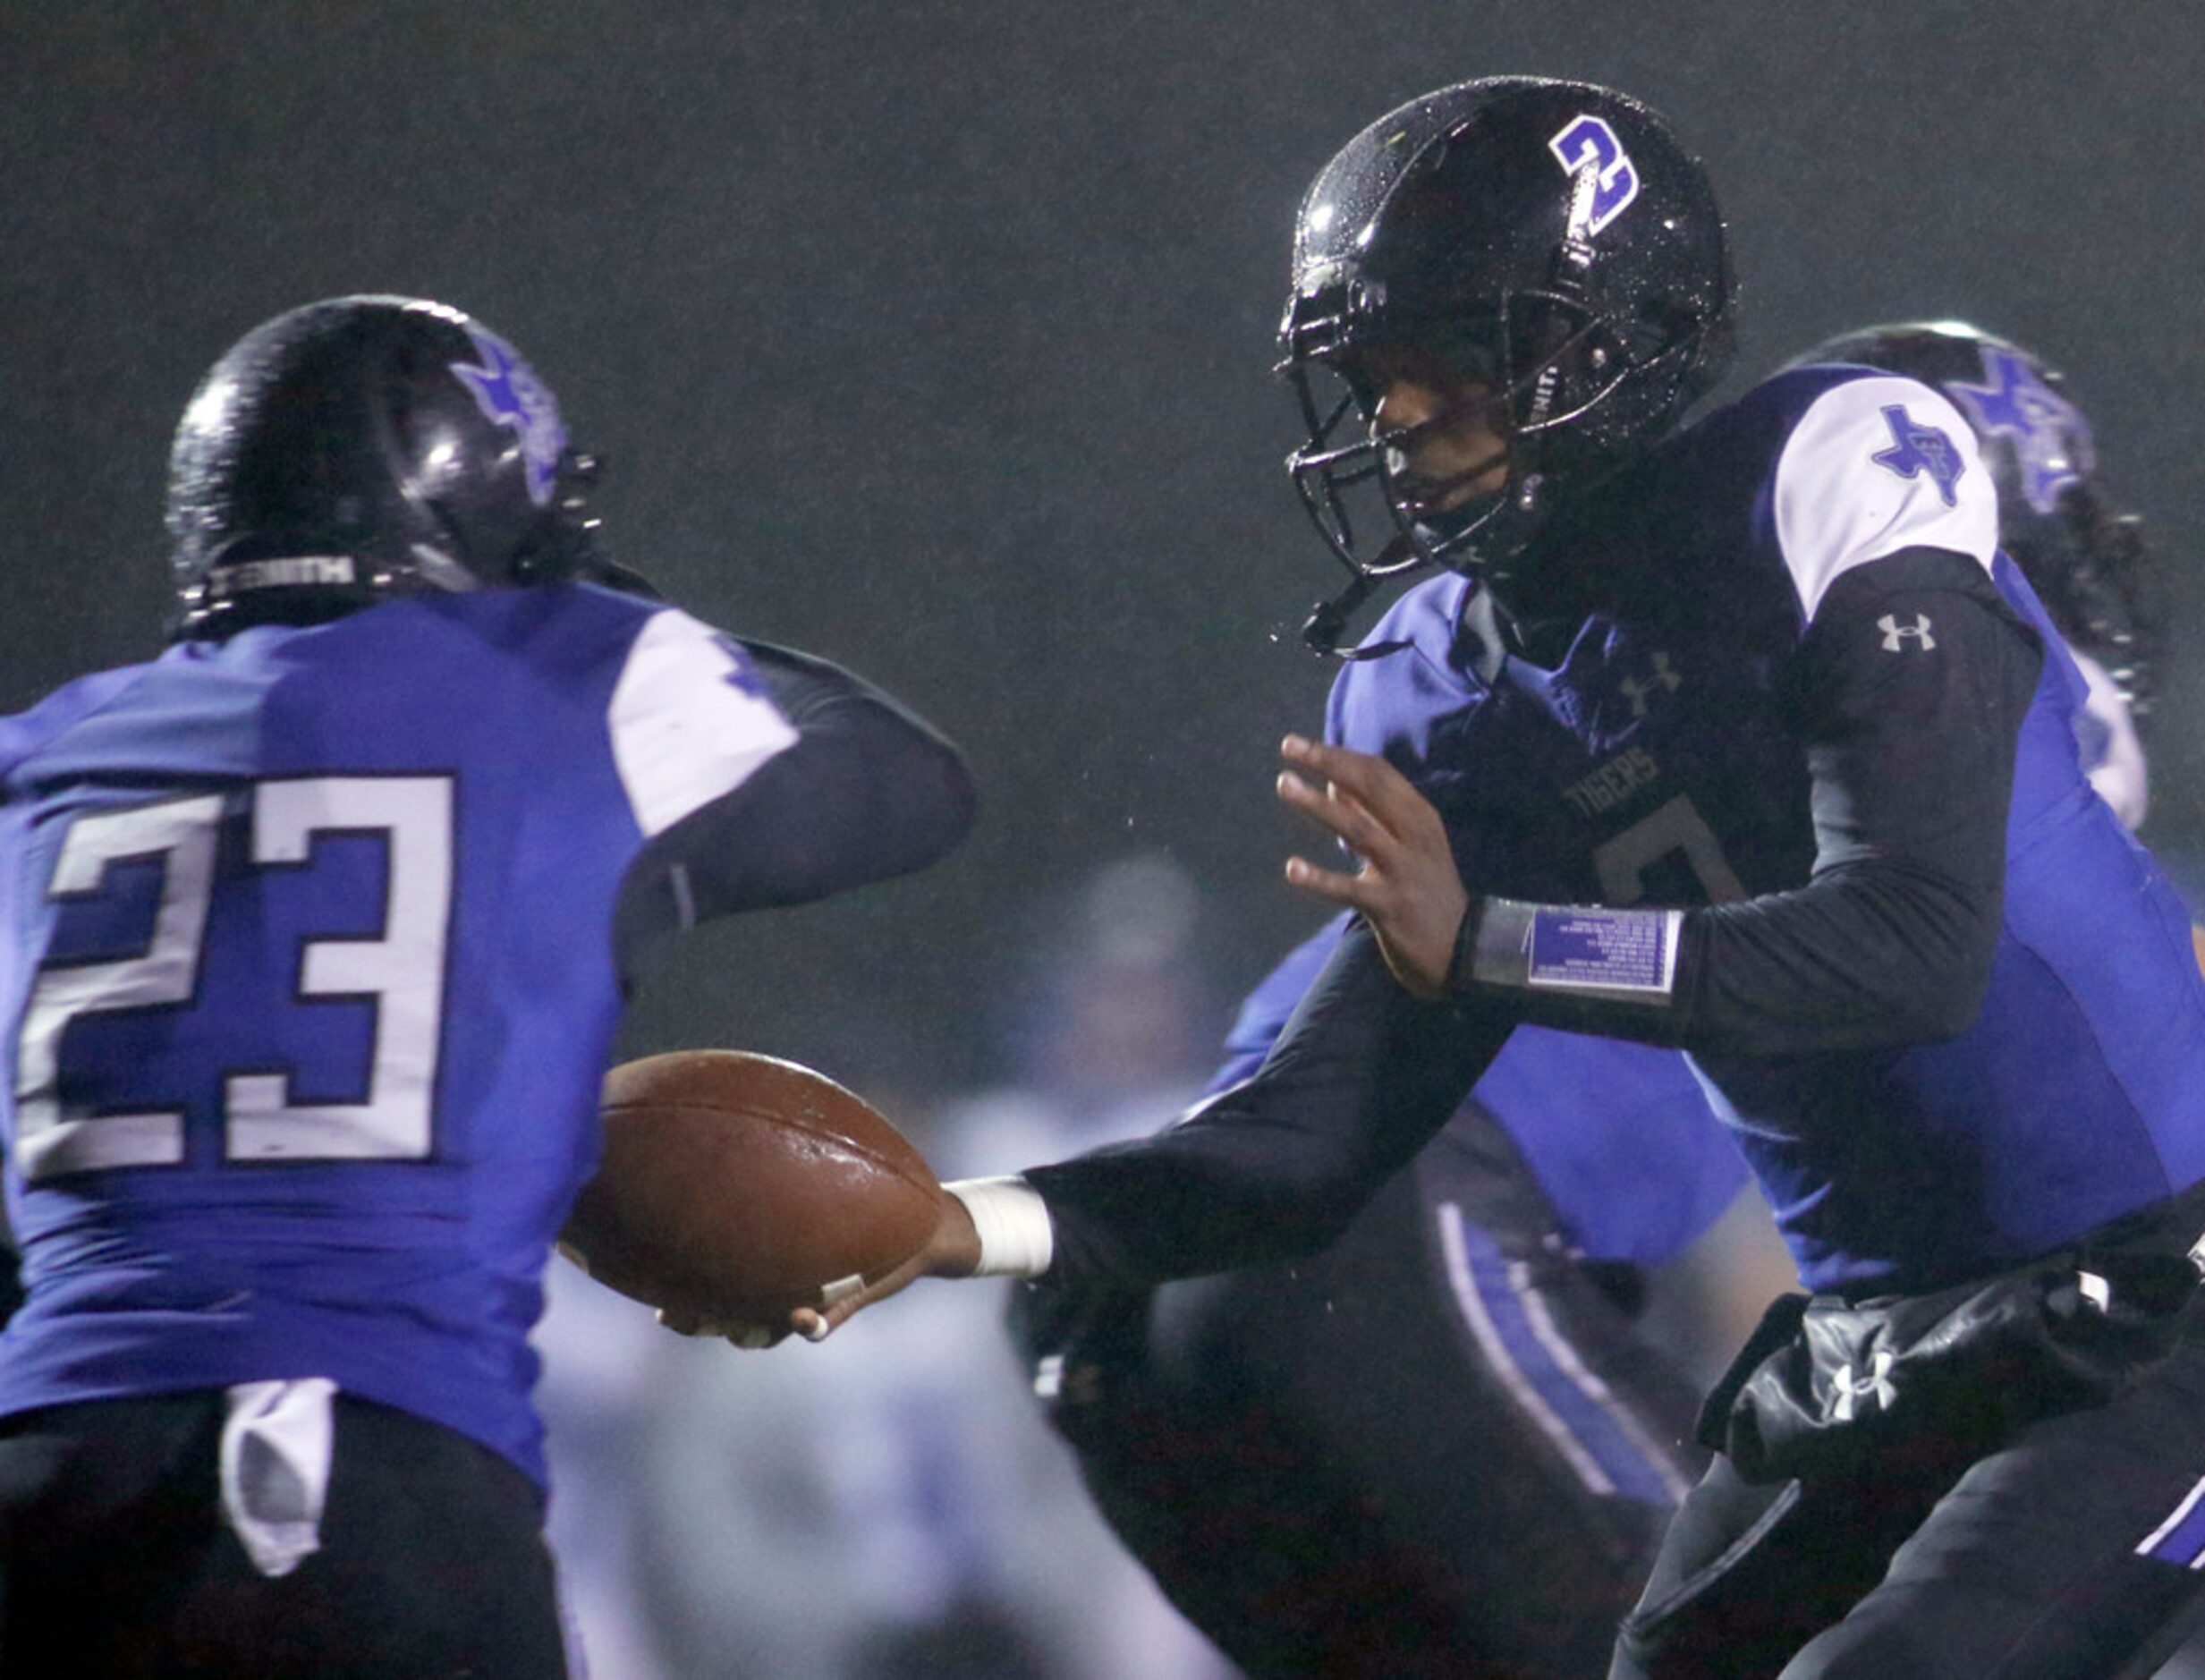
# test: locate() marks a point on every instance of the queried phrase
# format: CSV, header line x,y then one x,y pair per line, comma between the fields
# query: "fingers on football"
x,y
736,1332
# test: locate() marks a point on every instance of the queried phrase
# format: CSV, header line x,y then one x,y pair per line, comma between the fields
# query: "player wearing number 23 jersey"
x,y
318,930
319,946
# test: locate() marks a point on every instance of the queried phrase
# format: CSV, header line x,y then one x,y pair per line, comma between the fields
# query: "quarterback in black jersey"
x,y
1443,1445
1760,747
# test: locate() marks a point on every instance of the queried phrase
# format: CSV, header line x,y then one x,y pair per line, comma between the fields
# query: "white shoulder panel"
x,y
1876,465
686,724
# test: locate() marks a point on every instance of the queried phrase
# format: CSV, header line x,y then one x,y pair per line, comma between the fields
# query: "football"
x,y
737,1187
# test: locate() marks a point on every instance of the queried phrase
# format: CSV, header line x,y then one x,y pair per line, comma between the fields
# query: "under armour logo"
x,y
1661,677
1895,634
1916,449
1876,1388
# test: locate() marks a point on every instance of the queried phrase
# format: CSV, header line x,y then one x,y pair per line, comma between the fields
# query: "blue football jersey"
x,y
1658,762
309,952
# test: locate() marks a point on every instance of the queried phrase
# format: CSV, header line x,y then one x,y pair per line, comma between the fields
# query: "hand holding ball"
x,y
735,1188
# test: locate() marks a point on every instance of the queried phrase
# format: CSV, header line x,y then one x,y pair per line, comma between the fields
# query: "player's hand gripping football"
x,y
952,1251
1407,889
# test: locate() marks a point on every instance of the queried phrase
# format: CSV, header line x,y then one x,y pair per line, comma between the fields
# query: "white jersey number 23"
x,y
399,971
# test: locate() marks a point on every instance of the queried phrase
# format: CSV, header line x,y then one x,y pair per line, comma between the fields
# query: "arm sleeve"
x,y
1277,1166
1916,679
854,789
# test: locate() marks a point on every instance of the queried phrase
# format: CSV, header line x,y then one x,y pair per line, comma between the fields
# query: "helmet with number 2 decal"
x,y
365,446
1550,242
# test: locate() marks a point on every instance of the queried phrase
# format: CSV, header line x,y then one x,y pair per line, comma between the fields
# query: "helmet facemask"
x,y
1572,386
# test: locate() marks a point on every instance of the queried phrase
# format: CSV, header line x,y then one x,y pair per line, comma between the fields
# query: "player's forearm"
x,y
1866,956
1277,1166
893,794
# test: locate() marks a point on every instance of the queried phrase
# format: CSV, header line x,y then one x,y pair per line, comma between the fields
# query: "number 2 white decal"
x,y
182,834
401,972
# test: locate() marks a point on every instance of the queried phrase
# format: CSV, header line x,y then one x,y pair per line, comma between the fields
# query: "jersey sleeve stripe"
x,y
688,722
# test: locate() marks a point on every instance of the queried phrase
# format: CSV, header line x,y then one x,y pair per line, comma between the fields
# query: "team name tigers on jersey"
x,y
289,570
1613,783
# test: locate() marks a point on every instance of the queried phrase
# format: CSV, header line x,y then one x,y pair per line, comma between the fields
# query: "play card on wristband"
x,y
1575,948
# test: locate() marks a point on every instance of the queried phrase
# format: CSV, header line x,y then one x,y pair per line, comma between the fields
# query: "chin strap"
x,y
1327,625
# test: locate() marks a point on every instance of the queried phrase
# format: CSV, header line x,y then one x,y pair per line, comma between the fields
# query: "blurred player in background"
x,y
1315,1458
1772,757
321,926
2087,561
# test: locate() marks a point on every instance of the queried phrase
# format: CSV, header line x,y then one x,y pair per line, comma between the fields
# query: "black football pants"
x,y
114,1560
2072,1553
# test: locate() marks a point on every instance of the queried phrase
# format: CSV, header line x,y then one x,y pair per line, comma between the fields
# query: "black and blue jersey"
x,y
1820,729
315,941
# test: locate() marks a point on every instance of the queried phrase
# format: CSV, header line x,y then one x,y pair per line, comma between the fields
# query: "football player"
x,y
1770,757
1313,1457
320,927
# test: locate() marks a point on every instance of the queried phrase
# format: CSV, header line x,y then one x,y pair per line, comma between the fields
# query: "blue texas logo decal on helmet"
x,y
509,394
1605,179
2051,439
1916,449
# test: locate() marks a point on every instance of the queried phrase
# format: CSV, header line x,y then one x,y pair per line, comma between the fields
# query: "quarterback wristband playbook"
x,y
1587,953
1016,1239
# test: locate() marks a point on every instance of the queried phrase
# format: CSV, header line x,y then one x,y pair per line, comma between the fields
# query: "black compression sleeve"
x,y
868,790
1361,1077
1916,679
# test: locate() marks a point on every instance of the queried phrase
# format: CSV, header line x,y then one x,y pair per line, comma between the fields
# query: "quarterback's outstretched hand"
x,y
952,1250
1407,889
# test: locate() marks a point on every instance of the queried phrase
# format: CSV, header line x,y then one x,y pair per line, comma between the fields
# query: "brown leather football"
x,y
738,1187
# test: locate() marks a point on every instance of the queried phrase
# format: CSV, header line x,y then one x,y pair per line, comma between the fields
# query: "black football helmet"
x,y
2087,562
1549,240
366,447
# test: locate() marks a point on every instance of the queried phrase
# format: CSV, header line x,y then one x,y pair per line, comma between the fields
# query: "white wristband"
x,y
1016,1240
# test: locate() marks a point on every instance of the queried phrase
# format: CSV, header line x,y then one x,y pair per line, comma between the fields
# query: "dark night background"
x,y
935,337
